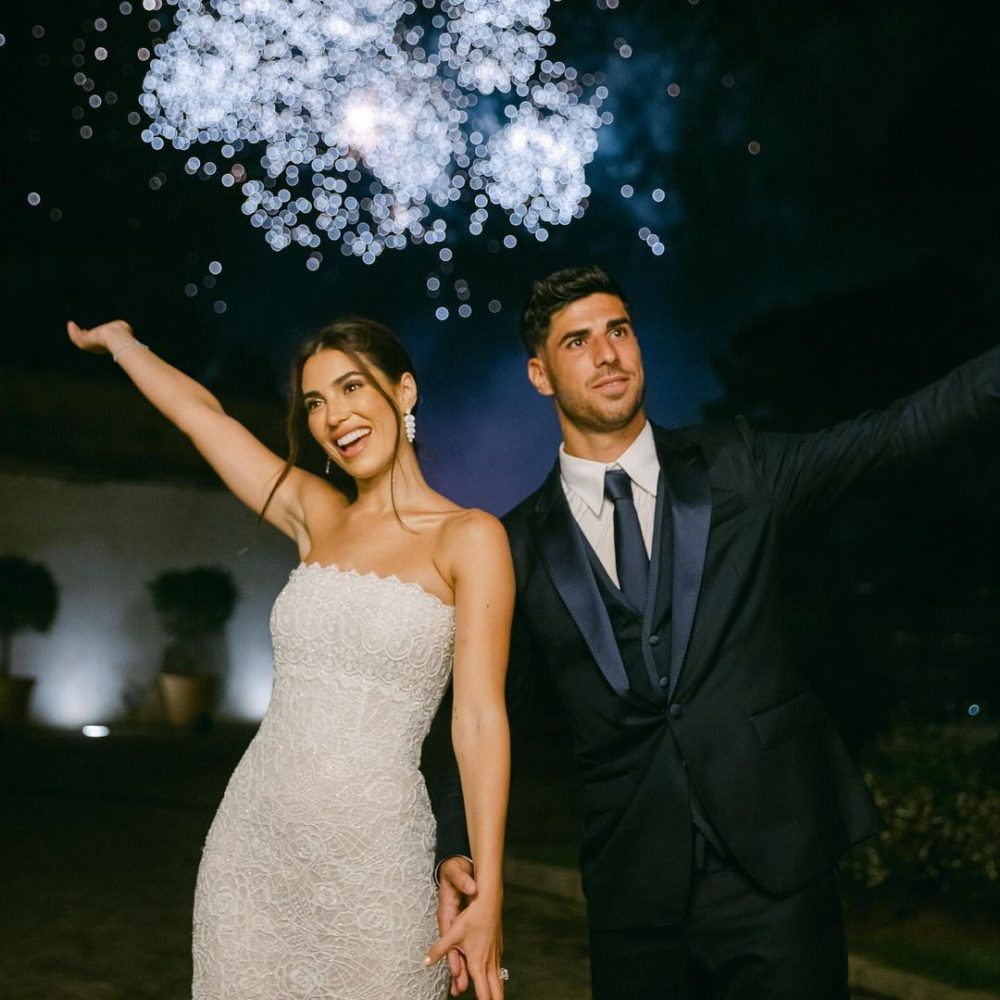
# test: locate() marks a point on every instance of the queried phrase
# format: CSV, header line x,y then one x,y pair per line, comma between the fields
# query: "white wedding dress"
x,y
316,881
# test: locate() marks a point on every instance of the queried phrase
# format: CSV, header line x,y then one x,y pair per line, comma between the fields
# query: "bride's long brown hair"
x,y
369,345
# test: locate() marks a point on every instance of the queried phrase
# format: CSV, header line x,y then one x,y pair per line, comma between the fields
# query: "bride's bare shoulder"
x,y
469,529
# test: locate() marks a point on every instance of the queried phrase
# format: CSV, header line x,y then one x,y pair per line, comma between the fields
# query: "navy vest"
x,y
647,662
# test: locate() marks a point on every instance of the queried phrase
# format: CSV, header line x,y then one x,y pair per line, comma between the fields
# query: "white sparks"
x,y
372,128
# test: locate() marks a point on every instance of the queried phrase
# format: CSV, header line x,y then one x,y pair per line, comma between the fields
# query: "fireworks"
x,y
376,123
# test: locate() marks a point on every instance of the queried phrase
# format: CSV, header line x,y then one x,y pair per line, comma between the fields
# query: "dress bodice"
x,y
359,656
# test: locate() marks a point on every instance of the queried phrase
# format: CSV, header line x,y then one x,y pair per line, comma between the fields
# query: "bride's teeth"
x,y
351,438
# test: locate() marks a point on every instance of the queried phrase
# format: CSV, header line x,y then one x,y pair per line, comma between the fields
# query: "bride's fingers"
x,y
444,944
444,948
485,975
80,336
488,984
96,339
459,972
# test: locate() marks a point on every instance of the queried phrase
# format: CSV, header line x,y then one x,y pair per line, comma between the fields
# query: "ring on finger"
x,y
503,975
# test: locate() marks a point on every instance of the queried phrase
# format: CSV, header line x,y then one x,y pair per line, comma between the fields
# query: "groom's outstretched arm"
x,y
804,472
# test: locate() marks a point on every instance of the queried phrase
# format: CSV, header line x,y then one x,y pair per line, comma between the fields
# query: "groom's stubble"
x,y
589,416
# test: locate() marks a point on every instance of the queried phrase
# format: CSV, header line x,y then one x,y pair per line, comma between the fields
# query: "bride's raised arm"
x,y
243,463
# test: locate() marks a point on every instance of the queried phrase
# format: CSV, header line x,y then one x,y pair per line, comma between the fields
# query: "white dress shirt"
x,y
583,484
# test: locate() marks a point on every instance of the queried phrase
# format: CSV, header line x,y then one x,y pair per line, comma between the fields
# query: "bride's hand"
x,y
478,935
104,339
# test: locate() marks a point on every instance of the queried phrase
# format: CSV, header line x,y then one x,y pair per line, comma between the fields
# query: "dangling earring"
x,y
410,425
328,465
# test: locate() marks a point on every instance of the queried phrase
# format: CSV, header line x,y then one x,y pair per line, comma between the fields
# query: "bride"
x,y
316,877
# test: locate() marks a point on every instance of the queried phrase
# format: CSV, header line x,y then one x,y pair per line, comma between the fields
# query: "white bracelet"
x,y
130,343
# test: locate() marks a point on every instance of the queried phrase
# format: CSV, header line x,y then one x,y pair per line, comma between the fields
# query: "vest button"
x,y
675,711
654,640
664,682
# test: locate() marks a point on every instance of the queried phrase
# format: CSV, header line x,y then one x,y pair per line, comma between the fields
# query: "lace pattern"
x,y
316,876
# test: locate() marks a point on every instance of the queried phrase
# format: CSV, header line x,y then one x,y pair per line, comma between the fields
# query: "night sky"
x,y
780,152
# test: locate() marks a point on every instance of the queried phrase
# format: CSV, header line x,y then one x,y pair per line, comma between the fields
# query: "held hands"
x,y
456,887
471,934
108,338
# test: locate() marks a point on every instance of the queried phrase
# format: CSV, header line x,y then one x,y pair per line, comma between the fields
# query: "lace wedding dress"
x,y
316,881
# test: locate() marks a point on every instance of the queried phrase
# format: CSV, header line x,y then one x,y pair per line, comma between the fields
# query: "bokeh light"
x,y
373,123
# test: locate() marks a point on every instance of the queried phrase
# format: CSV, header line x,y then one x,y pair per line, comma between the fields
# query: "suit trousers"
x,y
736,942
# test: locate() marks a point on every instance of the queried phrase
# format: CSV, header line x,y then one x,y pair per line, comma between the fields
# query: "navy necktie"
x,y
631,559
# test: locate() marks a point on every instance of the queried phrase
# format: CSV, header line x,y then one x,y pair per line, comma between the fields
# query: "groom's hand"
x,y
456,886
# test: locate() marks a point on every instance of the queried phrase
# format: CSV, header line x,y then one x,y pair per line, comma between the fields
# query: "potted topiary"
x,y
29,598
194,605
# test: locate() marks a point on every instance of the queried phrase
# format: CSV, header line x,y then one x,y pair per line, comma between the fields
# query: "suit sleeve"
x,y
452,834
803,472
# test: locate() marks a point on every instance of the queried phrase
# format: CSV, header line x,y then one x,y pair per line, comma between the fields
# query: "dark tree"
x,y
193,604
29,598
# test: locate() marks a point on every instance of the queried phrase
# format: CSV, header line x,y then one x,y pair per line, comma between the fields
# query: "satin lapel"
x,y
656,563
691,507
565,560
660,583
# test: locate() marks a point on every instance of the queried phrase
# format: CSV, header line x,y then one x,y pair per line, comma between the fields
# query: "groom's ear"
x,y
538,376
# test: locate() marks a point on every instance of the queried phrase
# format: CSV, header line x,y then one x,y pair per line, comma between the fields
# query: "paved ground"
x,y
99,845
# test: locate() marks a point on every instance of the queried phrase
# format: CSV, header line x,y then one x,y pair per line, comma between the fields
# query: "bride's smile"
x,y
351,418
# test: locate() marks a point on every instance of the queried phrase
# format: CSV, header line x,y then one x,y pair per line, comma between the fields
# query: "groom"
x,y
717,795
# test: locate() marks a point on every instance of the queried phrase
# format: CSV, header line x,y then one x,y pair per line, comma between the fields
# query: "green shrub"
x,y
941,802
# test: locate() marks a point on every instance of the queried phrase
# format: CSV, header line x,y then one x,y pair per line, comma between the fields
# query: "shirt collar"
x,y
586,478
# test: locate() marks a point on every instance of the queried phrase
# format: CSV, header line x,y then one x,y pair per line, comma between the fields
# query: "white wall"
x,y
103,542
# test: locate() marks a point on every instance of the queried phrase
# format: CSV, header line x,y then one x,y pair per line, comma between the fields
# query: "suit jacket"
x,y
738,726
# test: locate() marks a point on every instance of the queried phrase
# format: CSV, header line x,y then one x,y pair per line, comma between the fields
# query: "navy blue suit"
x,y
734,724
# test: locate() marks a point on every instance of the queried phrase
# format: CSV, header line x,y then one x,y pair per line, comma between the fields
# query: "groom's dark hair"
x,y
555,292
